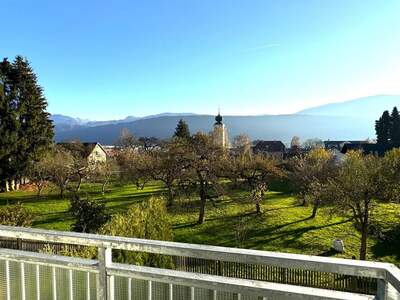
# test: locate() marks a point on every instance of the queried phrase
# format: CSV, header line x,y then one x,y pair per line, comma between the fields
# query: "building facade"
x,y
220,133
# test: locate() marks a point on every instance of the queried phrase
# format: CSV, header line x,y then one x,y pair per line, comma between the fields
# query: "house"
x,y
275,149
93,152
338,145
375,149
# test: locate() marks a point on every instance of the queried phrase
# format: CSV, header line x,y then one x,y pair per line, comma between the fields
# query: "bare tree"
x,y
135,166
309,173
126,140
242,144
169,163
204,169
354,190
60,168
295,143
103,172
257,172
315,143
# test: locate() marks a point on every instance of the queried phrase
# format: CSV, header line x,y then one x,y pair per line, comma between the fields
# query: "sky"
x,y
104,60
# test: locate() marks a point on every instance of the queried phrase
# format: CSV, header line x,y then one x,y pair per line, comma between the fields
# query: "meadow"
x,y
283,226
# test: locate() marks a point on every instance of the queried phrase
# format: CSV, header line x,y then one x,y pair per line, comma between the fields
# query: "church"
x,y
220,133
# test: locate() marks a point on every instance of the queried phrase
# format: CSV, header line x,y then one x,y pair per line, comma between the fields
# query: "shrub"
x,y
89,214
74,251
147,220
16,215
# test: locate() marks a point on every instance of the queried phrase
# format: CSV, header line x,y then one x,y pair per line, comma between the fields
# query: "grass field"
x,y
283,226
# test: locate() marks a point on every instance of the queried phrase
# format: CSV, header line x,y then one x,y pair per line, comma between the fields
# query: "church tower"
x,y
220,133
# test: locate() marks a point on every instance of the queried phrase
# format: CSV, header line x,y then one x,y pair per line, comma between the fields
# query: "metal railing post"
x,y
385,291
104,290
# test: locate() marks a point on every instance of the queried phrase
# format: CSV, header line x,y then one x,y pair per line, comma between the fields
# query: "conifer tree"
x,y
25,128
182,130
382,128
395,128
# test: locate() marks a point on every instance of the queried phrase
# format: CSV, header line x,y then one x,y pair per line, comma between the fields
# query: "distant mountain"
x,y
350,120
281,127
368,107
63,122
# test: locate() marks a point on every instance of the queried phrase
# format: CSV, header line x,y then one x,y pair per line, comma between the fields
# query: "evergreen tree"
x,y
395,128
382,128
182,130
25,127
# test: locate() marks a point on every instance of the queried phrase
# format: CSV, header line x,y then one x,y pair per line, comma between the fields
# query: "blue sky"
x,y
109,59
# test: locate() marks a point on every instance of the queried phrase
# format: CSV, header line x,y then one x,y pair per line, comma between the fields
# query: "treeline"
x,y
387,129
25,128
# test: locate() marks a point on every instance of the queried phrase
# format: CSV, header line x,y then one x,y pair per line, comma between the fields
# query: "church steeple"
x,y
220,133
218,118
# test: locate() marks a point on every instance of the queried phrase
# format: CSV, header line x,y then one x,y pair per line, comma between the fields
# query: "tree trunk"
x,y
363,246
78,187
203,200
315,209
103,187
258,208
170,196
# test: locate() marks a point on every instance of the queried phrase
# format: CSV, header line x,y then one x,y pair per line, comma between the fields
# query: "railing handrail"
x,y
192,280
385,271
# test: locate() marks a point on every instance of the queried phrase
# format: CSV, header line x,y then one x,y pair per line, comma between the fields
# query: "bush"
x,y
16,215
89,214
74,251
147,220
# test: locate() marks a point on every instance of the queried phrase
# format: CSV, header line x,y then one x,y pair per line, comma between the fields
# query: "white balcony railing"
x,y
29,275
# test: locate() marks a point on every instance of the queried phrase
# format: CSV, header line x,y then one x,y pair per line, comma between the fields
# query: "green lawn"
x,y
283,226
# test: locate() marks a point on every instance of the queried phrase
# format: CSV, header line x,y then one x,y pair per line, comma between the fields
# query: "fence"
x,y
332,281
26,275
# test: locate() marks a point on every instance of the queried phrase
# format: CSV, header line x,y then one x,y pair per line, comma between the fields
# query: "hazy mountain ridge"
x,y
367,107
351,120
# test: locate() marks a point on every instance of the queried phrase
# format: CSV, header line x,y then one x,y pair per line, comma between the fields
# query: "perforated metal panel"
x,y
26,281
136,289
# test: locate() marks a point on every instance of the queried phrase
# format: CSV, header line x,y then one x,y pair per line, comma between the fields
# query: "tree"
x,y
382,128
182,130
126,140
203,169
390,176
313,144
169,164
25,128
148,143
394,132
89,214
257,172
147,220
310,172
354,190
103,172
242,144
60,168
135,167
39,172
295,143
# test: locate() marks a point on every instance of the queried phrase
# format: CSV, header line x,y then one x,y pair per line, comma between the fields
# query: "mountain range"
x,y
349,120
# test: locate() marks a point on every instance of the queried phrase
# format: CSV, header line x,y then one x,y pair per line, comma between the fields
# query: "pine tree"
x,y
395,128
182,130
25,127
8,122
382,128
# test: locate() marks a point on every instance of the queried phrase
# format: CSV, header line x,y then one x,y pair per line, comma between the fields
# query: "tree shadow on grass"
x,y
389,245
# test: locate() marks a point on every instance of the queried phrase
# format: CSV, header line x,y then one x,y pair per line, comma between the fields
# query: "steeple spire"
x,y
218,118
